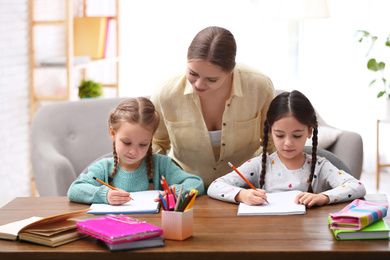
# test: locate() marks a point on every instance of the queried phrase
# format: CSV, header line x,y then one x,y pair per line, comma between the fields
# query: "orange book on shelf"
x,y
89,36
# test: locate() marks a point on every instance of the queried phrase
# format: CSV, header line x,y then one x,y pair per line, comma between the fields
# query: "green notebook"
x,y
377,230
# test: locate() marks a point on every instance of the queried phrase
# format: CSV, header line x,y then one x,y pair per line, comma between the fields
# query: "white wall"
x,y
331,72
14,100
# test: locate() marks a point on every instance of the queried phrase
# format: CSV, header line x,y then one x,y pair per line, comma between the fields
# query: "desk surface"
x,y
218,234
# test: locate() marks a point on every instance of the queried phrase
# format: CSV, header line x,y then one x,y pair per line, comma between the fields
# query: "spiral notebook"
x,y
280,203
117,229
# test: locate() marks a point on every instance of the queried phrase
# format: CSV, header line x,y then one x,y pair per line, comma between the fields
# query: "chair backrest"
x,y
336,161
65,138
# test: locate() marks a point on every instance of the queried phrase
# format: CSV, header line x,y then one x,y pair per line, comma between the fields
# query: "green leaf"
x,y
381,65
381,94
372,82
372,65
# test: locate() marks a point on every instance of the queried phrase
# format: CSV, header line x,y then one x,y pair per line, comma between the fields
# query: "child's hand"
x,y
251,197
311,199
118,197
158,198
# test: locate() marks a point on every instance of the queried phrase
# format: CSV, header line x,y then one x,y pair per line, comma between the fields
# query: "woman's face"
x,y
207,78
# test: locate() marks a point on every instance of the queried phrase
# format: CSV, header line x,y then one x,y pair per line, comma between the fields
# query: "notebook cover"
x,y
358,215
118,229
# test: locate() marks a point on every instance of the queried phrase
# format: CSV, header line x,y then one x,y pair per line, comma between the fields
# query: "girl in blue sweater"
x,y
133,167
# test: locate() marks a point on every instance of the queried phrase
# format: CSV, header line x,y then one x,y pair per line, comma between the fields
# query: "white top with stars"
x,y
338,185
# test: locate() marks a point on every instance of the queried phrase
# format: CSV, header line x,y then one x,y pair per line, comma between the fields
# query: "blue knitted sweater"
x,y
87,190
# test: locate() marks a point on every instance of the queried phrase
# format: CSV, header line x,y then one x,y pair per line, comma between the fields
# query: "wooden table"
x,y
218,234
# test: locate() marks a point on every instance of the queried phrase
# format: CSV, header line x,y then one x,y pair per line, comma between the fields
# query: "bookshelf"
x,y
69,91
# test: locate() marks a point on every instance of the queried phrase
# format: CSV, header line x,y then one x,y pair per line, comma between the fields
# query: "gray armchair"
x,y
65,138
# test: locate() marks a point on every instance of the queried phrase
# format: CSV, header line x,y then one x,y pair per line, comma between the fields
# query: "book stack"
x,y
120,232
360,220
94,37
50,231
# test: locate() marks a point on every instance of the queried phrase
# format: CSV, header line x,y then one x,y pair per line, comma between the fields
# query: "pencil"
x,y
242,176
108,185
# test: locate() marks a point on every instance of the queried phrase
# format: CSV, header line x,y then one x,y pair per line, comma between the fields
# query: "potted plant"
x,y
376,65
90,89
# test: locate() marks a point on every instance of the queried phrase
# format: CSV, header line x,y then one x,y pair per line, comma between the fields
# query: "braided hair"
x,y
140,111
299,106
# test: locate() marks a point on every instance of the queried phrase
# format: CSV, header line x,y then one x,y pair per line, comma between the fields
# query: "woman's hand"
x,y
251,197
311,199
118,197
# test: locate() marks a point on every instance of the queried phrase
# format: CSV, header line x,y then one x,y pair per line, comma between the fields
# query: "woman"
x,y
214,113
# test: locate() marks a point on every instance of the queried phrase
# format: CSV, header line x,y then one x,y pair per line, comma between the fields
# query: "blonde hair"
x,y
139,111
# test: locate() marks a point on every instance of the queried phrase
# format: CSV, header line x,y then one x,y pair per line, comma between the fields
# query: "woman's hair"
x,y
216,45
299,106
135,111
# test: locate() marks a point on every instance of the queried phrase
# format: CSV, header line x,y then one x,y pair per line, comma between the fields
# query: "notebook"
x,y
143,202
377,230
357,215
116,229
49,231
144,243
280,203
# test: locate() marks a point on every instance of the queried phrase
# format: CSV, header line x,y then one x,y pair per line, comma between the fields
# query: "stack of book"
x,y
50,231
120,232
360,220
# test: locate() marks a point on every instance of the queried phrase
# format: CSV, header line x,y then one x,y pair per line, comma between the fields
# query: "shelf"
x,y
66,59
51,97
96,62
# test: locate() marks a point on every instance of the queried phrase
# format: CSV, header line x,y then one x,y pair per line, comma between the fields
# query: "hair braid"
x,y
149,166
313,157
111,177
264,156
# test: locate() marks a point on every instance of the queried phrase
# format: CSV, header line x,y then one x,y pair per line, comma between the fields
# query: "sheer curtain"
x,y
330,68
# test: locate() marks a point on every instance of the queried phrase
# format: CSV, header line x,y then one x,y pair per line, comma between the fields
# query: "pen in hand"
x,y
108,185
245,179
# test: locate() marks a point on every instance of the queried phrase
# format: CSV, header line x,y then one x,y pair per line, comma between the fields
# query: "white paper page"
x,y
11,230
143,203
280,203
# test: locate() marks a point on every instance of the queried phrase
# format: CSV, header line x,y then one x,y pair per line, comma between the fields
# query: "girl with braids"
x,y
133,167
291,119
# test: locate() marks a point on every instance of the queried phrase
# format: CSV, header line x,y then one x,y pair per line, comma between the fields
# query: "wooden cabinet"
x,y
69,68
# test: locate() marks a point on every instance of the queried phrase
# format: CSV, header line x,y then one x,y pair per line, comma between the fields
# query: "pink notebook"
x,y
357,215
115,229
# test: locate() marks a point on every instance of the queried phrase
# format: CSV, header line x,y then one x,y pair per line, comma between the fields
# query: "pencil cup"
x,y
177,225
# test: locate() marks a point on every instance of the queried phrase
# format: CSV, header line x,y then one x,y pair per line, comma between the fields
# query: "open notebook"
x,y
280,203
143,203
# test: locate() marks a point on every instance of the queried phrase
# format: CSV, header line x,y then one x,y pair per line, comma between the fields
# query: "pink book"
x,y
115,229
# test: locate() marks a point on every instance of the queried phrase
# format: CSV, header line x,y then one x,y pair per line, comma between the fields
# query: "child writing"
x,y
133,167
291,119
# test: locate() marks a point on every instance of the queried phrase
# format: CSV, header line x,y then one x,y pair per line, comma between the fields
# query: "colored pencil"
x,y
245,179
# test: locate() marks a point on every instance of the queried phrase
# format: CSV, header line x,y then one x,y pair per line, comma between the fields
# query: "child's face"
x,y
132,142
289,137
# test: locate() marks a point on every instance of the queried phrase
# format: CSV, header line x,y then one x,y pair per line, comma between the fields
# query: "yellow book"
x,y
89,36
